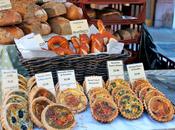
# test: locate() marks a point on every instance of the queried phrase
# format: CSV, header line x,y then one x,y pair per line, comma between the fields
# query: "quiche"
x,y
130,106
57,117
36,108
138,82
74,99
144,91
160,109
41,92
139,87
104,110
31,83
96,89
19,93
118,88
16,117
22,78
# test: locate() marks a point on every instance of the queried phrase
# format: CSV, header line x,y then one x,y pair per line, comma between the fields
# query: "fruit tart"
x,y
36,108
160,109
16,117
104,110
130,106
57,117
74,99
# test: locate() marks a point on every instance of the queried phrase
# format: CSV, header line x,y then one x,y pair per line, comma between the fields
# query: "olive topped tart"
x,y
57,117
73,98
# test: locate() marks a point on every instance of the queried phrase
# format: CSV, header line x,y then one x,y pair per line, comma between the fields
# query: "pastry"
x,y
138,82
139,87
130,106
74,99
160,109
57,117
41,92
31,83
16,117
144,91
96,89
36,108
104,110
19,93
21,77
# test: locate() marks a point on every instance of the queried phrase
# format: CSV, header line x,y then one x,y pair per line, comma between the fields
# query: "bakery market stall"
x,y
75,72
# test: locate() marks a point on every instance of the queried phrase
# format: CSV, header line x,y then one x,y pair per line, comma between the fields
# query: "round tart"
x,y
57,117
22,87
23,83
116,89
104,110
130,106
151,94
41,92
31,83
144,91
16,117
36,108
139,87
160,109
94,90
74,99
19,93
138,82
21,77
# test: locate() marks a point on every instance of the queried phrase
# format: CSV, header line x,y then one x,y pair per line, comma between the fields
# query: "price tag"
x,y
79,27
93,81
115,70
9,81
136,71
66,79
5,4
45,80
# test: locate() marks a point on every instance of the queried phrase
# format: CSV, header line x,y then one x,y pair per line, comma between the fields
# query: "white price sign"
x,y
38,38
9,81
93,81
115,70
136,71
79,26
45,80
5,4
66,79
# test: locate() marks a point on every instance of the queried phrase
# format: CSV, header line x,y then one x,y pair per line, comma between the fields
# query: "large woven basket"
x,y
83,65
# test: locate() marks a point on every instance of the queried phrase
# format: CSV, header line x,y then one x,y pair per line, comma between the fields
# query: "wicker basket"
x,y
83,65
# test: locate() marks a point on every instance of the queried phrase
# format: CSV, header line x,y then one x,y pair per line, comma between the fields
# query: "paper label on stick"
x,y
79,26
66,79
9,81
5,4
115,70
45,80
93,81
136,71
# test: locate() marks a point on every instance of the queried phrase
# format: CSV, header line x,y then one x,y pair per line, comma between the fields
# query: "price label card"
x,y
45,80
93,81
136,71
115,70
9,81
41,42
79,27
66,79
5,4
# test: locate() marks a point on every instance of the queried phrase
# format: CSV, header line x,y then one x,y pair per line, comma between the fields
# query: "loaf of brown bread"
x,y
60,25
45,28
54,9
7,34
9,17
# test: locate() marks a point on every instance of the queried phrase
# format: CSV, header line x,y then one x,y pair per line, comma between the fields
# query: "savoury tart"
x,y
16,117
144,91
139,87
41,92
96,89
21,77
116,89
160,109
138,82
104,110
31,83
57,117
74,99
130,106
36,108
21,93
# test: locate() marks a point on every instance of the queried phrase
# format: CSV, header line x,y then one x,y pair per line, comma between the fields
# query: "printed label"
x,y
5,4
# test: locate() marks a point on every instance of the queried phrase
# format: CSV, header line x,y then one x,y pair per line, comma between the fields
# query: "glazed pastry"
x,y
16,117
144,91
160,109
104,110
36,108
97,43
41,92
74,99
130,106
19,93
57,117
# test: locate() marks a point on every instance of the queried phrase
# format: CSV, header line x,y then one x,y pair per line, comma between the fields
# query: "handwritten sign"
x,y
5,4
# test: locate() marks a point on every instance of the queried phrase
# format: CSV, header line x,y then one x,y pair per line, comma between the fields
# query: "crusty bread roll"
x,y
73,12
54,9
125,35
9,17
7,34
45,28
60,25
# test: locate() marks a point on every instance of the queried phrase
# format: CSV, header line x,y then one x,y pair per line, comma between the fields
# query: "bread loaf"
x,y
60,25
9,17
54,9
7,34
45,28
